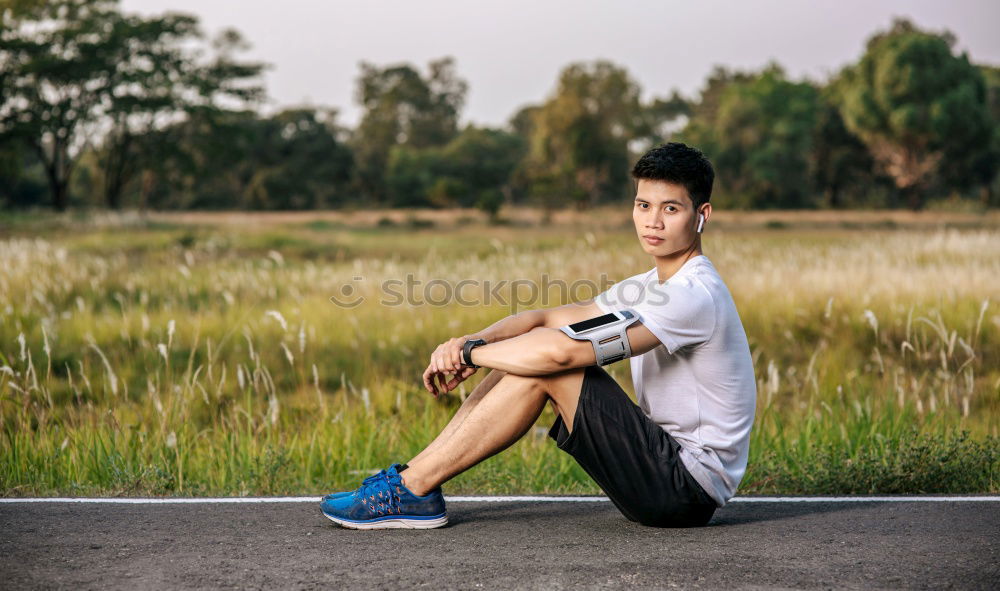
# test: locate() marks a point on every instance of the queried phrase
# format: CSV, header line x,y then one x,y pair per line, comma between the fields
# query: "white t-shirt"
x,y
699,385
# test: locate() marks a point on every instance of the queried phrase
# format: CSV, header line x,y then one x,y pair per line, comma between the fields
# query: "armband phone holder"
x,y
606,333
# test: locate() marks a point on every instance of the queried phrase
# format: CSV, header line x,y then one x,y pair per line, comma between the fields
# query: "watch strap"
x,y
467,351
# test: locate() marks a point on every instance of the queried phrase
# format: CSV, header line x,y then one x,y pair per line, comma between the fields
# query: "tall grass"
x,y
210,360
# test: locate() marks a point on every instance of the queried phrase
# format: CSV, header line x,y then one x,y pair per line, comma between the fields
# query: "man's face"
x,y
665,211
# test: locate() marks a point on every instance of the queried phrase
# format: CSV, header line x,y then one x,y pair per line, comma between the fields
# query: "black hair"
x,y
681,164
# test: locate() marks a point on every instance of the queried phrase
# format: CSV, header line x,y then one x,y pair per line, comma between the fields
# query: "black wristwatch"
x,y
467,351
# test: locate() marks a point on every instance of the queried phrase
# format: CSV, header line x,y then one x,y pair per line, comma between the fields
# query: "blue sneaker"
x,y
386,503
379,475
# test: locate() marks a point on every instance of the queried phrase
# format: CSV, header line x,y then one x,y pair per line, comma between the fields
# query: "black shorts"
x,y
631,458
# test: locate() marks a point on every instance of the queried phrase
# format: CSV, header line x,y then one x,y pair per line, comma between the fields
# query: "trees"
x,y
408,148
157,80
482,161
22,179
760,136
919,108
660,119
295,159
315,165
988,171
54,80
403,108
472,170
147,114
961,169
839,160
78,74
580,135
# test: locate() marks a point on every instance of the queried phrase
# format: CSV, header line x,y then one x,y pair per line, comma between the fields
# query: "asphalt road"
x,y
878,545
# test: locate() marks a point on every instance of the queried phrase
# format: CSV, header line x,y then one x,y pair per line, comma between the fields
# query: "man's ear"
x,y
707,211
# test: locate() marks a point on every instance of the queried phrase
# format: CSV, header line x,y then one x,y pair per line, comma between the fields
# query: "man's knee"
x,y
555,384
565,384
533,383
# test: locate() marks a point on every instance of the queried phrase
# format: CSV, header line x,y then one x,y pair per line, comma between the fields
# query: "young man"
x,y
672,459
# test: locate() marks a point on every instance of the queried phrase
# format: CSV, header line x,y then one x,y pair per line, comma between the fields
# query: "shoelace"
x,y
378,495
381,475
375,477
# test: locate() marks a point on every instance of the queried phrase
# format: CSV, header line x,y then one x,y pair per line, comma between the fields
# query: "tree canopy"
x,y
103,108
403,108
78,74
916,105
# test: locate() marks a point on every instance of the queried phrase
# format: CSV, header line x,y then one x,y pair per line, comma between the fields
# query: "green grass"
x,y
162,358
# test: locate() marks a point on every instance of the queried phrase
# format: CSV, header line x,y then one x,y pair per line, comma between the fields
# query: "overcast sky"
x,y
511,51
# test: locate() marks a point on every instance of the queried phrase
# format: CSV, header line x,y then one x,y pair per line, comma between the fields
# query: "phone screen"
x,y
593,323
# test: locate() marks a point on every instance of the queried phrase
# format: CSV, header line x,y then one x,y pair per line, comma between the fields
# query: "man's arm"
x,y
510,326
545,350
447,358
532,345
571,313
523,322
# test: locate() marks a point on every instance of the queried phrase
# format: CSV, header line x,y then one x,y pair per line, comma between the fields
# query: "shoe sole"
x,y
392,523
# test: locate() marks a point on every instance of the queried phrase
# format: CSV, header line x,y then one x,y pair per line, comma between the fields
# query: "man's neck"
x,y
667,266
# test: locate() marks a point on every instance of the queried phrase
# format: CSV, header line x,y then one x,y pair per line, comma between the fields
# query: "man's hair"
x,y
680,164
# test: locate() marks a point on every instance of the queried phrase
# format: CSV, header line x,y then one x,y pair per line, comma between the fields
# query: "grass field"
x,y
201,353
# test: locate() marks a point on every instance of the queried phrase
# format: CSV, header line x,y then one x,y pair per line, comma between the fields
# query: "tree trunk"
x,y
113,198
148,177
986,194
913,196
116,170
832,196
60,195
58,185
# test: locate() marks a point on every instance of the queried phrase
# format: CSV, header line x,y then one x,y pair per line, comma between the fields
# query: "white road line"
x,y
526,499
487,499
987,499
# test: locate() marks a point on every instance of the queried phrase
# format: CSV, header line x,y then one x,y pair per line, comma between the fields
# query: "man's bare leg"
x,y
493,424
481,389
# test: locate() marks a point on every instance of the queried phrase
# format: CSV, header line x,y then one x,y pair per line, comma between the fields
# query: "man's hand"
x,y
443,385
447,359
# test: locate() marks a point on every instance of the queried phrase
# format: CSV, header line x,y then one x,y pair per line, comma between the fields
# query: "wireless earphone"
x,y
701,222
